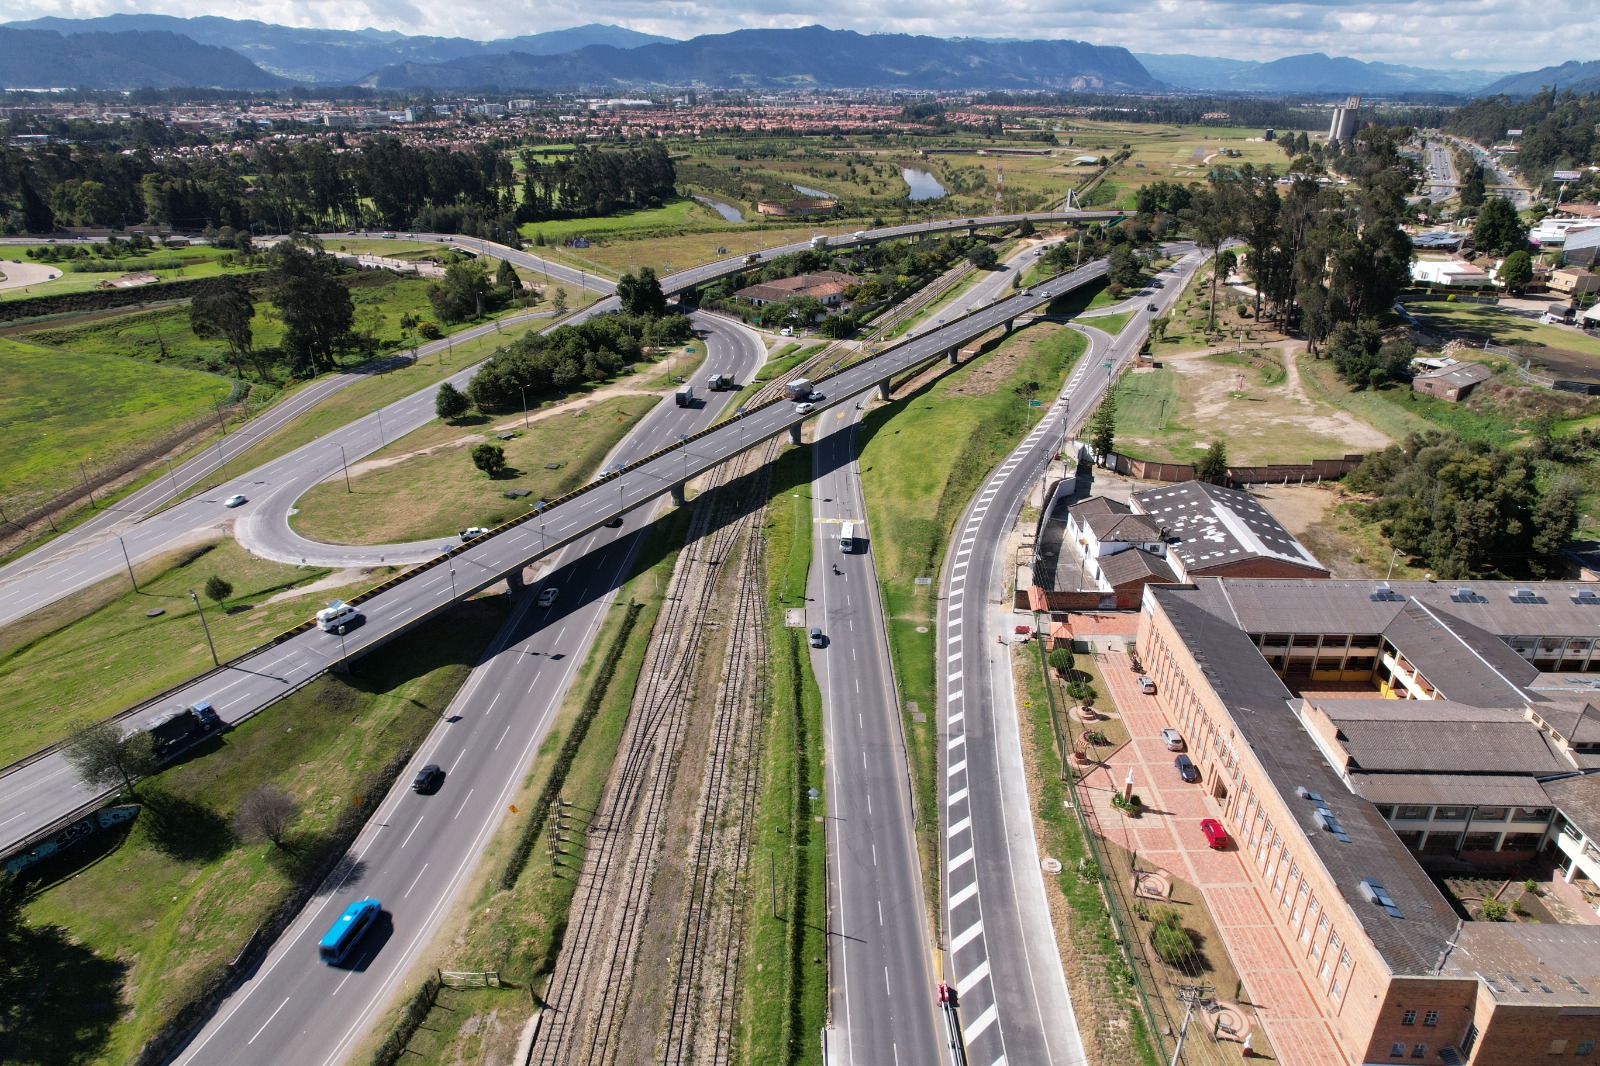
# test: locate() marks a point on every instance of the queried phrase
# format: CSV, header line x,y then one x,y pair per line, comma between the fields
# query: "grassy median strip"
x,y
922,458
89,655
138,927
518,932
784,975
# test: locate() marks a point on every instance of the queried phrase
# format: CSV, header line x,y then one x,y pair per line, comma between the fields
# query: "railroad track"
x,y
591,984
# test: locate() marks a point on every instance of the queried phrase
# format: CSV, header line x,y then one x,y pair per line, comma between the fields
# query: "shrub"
x,y
1493,911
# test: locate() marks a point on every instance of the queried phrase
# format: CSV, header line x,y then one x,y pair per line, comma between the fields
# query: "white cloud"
x,y
1484,34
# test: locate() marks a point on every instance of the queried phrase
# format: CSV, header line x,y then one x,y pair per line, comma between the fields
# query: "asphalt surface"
x,y
1001,954
881,964
418,850
41,793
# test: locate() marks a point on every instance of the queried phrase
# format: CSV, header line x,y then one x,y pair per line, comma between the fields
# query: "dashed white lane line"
x,y
268,1022
413,832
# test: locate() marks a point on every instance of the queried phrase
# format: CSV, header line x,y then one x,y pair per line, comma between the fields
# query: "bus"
x,y
847,537
347,930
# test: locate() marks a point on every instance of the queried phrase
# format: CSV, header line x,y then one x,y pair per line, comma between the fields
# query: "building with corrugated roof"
x,y
1212,530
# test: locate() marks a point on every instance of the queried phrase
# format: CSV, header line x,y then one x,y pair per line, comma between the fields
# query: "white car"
x,y
804,408
234,501
473,532
548,596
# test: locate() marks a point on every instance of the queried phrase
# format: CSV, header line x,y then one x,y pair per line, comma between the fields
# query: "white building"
x,y
1452,273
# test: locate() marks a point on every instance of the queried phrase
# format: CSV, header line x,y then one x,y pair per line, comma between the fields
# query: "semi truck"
x,y
798,389
685,396
175,731
819,243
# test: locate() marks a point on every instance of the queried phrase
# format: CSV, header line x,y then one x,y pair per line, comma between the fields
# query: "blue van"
x,y
347,929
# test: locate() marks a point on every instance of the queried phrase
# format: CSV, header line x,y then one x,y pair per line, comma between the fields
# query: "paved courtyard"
x,y
1167,836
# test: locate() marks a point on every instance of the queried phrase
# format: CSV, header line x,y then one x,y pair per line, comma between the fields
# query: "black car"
x,y
1186,768
614,523
428,779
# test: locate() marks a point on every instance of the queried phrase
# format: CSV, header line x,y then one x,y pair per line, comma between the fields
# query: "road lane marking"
x,y
413,832
960,827
979,972
347,976
966,936
961,860
414,881
982,1022
268,1022
964,894
470,791
956,797
502,739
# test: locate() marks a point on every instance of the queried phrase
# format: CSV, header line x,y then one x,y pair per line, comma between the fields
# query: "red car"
x,y
1216,836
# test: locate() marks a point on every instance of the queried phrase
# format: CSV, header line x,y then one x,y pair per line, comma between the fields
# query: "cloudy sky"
x,y
1477,34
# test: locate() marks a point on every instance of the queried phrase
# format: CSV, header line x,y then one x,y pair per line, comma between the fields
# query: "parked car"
x,y
548,596
1172,739
1187,769
235,500
816,637
1146,686
1216,836
428,779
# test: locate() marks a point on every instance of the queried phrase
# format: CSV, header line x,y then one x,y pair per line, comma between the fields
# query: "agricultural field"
x,y
60,408
425,485
1254,402
1164,152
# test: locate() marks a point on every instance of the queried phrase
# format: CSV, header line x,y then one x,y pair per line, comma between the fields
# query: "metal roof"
x,y
1209,525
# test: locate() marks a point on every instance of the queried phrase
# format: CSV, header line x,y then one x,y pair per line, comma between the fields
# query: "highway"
x,y
1001,954
882,1000
90,554
416,852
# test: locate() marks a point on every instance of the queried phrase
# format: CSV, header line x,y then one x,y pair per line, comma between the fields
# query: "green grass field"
x,y
131,926
168,264
922,457
66,666
58,409
424,485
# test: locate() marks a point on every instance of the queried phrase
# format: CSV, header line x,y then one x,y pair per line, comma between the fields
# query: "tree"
x,y
1213,465
450,403
507,278
982,256
225,312
268,813
103,757
1123,267
1173,943
1062,659
1516,271
558,300
1210,218
316,308
36,214
218,589
1498,230
490,458
13,928
1103,427
462,293
641,295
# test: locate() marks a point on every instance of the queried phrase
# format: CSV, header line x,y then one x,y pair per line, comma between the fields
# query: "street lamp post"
x,y
524,389
129,563
381,441
683,439
172,482
452,565
346,465
202,612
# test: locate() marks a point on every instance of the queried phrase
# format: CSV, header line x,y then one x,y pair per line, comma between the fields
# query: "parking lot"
x,y
1166,837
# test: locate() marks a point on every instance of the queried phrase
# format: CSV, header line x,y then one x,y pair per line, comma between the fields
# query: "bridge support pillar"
x,y
883,390
794,434
1010,322
677,491
515,582
972,231
954,355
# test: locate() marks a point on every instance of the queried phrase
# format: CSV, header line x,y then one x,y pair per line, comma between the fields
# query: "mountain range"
x,y
1309,73
163,51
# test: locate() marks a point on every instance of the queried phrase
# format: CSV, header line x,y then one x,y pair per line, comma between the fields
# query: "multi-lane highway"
x,y
417,850
1001,956
882,971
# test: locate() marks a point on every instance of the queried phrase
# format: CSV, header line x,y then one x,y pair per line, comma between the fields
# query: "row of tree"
x,y
1558,129
540,365
309,186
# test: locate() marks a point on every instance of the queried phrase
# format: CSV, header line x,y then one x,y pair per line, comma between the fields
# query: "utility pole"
x,y
129,563
1190,994
346,465
202,612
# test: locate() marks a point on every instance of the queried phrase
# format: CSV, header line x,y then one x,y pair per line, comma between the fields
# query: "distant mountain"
x,y
41,59
812,57
1579,77
1310,73
340,57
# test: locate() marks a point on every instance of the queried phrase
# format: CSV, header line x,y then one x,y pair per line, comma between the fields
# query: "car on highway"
x,y
548,596
817,639
804,408
473,532
614,523
1186,768
815,396
1172,739
235,500
1216,836
428,779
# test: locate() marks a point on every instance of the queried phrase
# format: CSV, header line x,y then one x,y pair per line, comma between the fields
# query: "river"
x,y
924,186
728,212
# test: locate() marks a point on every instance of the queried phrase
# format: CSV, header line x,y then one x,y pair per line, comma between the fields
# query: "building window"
x,y
1413,813
1408,1018
1387,810
1449,814
1397,1051
1336,991
1558,1047
1418,1050
1431,1018
1470,1040
1585,1047
1520,842
1479,841
1490,814
1344,963
1532,814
